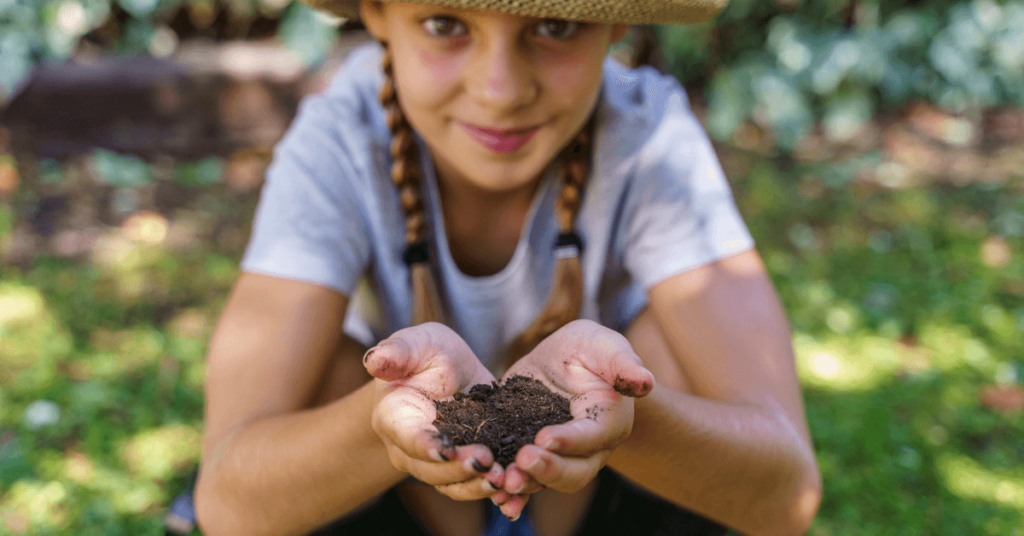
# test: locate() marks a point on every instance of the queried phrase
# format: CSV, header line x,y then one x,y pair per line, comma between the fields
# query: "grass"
x,y
906,303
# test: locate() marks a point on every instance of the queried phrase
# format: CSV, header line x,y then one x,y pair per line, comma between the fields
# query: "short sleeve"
x,y
309,224
681,213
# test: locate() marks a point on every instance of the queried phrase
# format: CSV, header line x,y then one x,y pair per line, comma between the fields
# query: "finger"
x,y
464,467
481,487
560,473
613,359
514,507
500,497
518,482
602,427
426,444
429,446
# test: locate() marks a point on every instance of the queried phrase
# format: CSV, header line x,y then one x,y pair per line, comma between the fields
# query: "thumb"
x,y
616,363
430,355
391,360
629,377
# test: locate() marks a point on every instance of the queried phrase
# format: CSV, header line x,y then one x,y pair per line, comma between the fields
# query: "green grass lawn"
x,y
906,303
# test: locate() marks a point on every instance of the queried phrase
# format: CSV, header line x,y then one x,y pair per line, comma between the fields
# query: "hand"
x,y
415,367
597,370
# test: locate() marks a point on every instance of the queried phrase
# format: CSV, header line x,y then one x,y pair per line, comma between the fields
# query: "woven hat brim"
x,y
602,11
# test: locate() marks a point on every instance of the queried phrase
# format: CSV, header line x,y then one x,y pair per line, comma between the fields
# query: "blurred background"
x,y
875,149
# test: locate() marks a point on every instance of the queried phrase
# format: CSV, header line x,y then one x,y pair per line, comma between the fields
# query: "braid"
x,y
405,173
566,297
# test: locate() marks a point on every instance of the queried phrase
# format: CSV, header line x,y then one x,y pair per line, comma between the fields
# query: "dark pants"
x,y
618,508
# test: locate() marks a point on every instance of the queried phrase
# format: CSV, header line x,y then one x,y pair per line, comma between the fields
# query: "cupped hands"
x,y
597,370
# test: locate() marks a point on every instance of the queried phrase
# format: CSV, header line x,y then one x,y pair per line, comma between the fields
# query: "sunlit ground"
x,y
905,289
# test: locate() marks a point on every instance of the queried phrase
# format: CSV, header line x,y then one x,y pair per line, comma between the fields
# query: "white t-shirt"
x,y
656,204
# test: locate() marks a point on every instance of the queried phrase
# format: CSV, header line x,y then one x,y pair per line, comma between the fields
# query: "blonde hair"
x,y
565,301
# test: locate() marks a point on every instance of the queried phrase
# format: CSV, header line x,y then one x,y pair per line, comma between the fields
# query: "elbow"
x,y
803,505
207,518
213,516
793,505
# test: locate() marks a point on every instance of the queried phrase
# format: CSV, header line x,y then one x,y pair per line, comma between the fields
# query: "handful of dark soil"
x,y
502,416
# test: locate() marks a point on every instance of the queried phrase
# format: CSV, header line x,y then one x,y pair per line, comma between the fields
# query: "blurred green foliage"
x,y
785,64
837,62
34,32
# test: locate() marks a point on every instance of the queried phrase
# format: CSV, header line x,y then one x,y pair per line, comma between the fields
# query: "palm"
x,y
570,378
595,369
414,368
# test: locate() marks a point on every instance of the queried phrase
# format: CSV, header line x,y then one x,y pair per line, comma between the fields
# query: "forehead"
x,y
412,9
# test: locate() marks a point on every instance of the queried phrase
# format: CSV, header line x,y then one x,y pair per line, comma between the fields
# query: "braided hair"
x,y
405,173
565,300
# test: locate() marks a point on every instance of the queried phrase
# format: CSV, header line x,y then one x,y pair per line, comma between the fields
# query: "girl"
x,y
485,166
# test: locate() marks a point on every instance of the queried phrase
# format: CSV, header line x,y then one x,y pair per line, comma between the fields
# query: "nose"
x,y
502,77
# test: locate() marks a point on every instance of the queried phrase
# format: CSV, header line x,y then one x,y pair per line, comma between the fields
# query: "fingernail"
x,y
518,489
491,487
447,447
513,519
366,356
535,465
479,467
551,445
494,499
439,456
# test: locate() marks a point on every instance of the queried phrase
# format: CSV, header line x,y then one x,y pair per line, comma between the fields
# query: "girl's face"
x,y
495,96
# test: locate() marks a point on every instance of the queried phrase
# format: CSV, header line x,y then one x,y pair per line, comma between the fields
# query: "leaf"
x,y
728,106
205,172
308,35
139,8
847,114
13,464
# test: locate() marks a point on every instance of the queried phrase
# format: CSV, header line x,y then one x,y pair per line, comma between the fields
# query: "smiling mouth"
x,y
500,141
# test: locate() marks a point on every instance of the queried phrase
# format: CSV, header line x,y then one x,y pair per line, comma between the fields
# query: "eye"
x,y
441,26
557,28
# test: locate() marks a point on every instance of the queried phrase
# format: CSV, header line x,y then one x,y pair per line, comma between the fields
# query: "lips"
x,y
500,141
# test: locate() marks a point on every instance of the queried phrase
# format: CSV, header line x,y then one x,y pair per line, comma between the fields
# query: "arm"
x,y
274,464
271,464
737,449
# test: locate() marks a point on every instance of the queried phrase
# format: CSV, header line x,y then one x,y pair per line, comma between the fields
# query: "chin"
x,y
501,180
497,173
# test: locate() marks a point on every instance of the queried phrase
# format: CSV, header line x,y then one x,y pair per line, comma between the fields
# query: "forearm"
x,y
289,474
744,466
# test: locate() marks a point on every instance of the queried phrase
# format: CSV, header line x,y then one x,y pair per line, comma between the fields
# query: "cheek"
x,y
429,78
444,68
570,77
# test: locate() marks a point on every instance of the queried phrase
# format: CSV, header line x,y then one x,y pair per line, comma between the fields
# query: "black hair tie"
x,y
415,253
569,239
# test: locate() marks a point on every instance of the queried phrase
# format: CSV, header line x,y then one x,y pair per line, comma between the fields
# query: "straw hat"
x,y
606,11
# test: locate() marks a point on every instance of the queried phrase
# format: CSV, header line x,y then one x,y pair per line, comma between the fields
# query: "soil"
x,y
504,417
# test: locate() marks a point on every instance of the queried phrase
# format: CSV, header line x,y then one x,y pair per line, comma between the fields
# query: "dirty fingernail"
x,y
439,456
366,356
446,448
513,519
479,467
